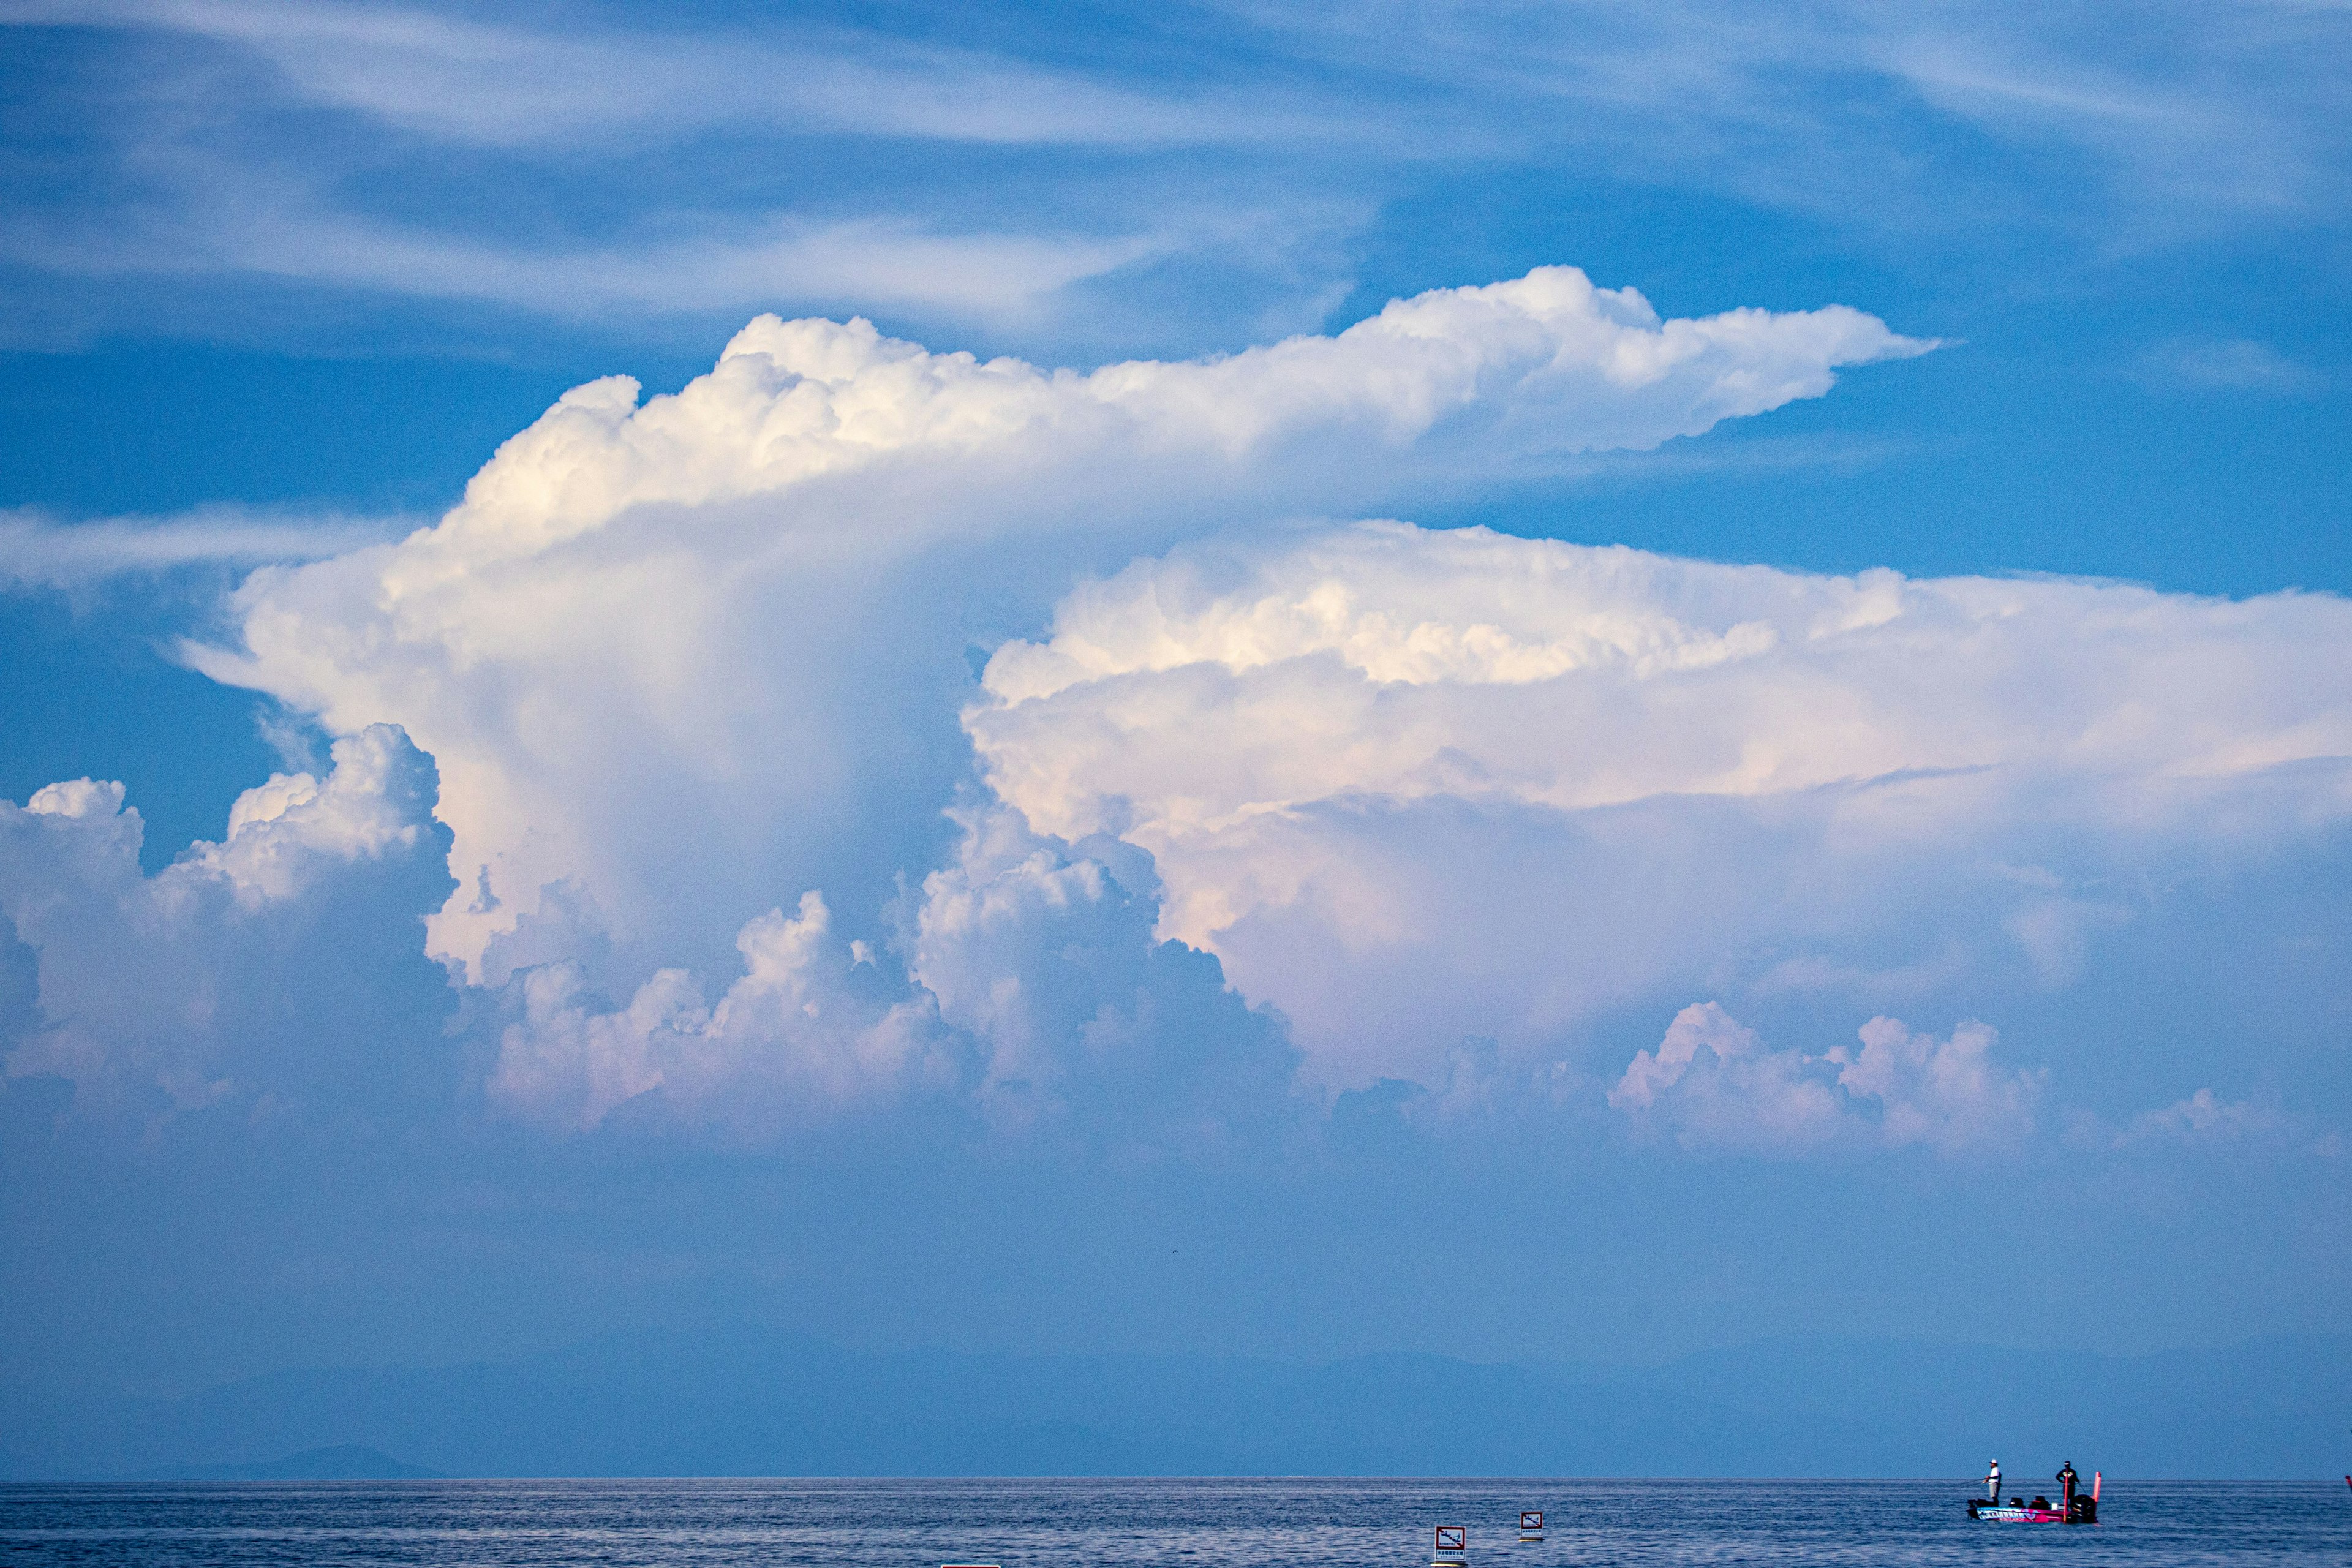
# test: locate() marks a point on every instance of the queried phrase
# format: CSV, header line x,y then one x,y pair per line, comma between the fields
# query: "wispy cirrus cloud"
x,y
885,264
801,167
942,172
457,78
2225,364
2174,112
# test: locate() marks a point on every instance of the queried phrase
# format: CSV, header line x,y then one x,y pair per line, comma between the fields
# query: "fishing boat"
x,y
2082,1508
2015,1512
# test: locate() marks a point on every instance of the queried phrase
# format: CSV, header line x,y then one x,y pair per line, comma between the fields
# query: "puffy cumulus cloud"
x,y
1712,1081
2203,1120
675,655
1944,1095
283,965
2203,1117
281,970
1414,784
1051,960
1478,1081
1713,1084
1033,992
808,1027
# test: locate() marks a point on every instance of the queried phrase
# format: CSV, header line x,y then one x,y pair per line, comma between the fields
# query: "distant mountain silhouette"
x,y
752,1401
349,1462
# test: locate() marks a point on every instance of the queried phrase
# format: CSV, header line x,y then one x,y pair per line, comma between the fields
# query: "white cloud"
x,y
795,1037
292,156
1477,1082
256,223
2240,122
2203,1114
682,661
287,959
38,551
2226,364
501,84
1944,1095
1412,786
1714,1085
283,970
2056,933
1034,983
260,137
2202,1121
678,656
284,834
880,263
2203,1117
1086,1015
1805,106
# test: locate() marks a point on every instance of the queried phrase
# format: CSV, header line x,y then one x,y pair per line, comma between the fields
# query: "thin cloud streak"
x,y
878,263
496,85
2227,366
2246,114
37,551
311,144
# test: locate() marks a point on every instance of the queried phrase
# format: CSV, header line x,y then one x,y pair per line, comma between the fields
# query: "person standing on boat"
x,y
2067,1481
1992,1481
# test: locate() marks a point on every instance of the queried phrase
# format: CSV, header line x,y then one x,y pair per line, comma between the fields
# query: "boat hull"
x,y
2085,1511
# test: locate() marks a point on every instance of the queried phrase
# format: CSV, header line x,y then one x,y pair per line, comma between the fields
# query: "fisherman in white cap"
x,y
1992,1481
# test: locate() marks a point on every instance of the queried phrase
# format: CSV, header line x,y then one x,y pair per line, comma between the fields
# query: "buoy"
x,y
1453,1547
1531,1524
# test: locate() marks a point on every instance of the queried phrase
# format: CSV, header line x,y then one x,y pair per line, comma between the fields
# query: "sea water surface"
x,y
1114,1523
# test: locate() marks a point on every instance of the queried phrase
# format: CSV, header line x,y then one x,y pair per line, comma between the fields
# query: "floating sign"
x,y
1454,1538
1532,1518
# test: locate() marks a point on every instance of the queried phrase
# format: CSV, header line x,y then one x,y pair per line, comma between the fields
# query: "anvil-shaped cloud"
x,y
668,656
1412,784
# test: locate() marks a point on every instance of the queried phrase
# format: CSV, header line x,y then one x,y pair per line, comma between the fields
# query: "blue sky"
x,y
1192,858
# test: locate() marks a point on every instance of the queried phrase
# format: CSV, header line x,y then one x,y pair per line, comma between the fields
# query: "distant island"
x,y
348,1462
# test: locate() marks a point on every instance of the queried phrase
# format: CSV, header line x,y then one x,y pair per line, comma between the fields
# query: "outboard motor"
x,y
2082,1509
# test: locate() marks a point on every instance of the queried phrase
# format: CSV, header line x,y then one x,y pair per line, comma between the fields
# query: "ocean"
x,y
1114,1523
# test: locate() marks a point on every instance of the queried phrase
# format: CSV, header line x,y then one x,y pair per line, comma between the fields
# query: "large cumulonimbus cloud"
x,y
682,659
1244,804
